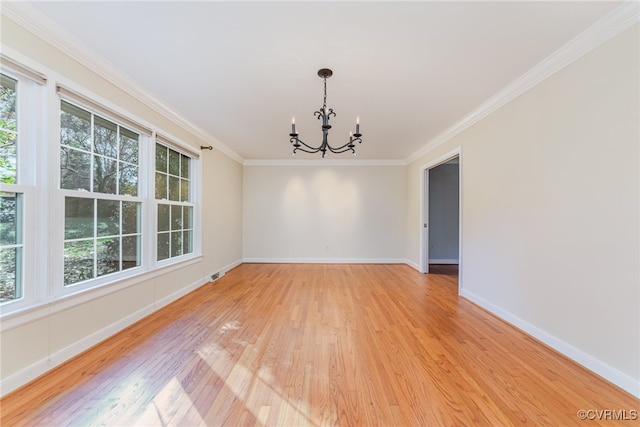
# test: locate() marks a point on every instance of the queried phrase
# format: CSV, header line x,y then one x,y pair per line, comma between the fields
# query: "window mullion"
x,y
92,160
95,238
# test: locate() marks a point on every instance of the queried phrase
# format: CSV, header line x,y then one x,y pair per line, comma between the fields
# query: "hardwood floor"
x,y
312,344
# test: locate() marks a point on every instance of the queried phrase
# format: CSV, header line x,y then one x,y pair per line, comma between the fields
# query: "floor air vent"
x,y
215,276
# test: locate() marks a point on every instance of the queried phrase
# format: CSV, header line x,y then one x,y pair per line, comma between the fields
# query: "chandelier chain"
x,y
324,103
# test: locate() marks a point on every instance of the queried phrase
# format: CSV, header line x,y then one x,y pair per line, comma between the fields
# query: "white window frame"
x,y
79,100
195,200
30,95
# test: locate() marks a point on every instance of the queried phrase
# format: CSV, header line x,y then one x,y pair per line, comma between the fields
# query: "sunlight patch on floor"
x,y
256,390
169,407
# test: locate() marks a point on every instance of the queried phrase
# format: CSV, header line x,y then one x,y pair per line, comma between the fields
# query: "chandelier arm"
x,y
343,151
306,151
349,144
338,151
295,140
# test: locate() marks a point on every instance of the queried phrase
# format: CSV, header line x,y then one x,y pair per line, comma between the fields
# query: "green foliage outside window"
x,y
10,247
8,130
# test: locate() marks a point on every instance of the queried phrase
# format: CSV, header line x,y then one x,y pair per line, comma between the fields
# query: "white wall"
x,y
550,210
324,213
41,338
222,212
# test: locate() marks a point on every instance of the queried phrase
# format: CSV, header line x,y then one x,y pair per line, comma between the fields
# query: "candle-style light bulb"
x,y
358,124
293,124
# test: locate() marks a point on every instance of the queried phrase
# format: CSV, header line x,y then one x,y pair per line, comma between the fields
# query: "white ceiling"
x,y
241,70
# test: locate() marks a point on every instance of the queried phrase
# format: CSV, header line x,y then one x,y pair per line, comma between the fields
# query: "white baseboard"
x,y
444,261
326,260
412,265
222,271
231,266
162,302
22,377
598,367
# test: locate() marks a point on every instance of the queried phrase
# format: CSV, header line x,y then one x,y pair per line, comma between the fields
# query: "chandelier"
x,y
325,114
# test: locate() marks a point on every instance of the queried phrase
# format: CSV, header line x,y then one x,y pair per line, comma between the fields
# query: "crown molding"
x,y
609,26
38,24
322,162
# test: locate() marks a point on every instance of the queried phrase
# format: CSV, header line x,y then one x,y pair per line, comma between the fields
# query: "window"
x,y
174,202
11,230
77,210
99,168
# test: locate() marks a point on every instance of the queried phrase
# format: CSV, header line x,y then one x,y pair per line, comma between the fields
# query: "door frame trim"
x,y
424,209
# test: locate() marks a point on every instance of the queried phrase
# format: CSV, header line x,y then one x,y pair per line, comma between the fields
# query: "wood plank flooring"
x,y
315,345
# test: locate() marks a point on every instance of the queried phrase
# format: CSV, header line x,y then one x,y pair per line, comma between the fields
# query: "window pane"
x,y
161,158
130,252
176,217
174,162
10,272
104,175
130,218
184,190
8,103
163,246
174,188
161,186
187,217
9,232
78,261
75,169
75,127
9,126
187,241
8,157
176,243
128,179
108,219
128,146
78,218
104,137
108,255
163,218
184,171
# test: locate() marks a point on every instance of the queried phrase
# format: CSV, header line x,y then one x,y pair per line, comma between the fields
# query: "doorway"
x,y
441,212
